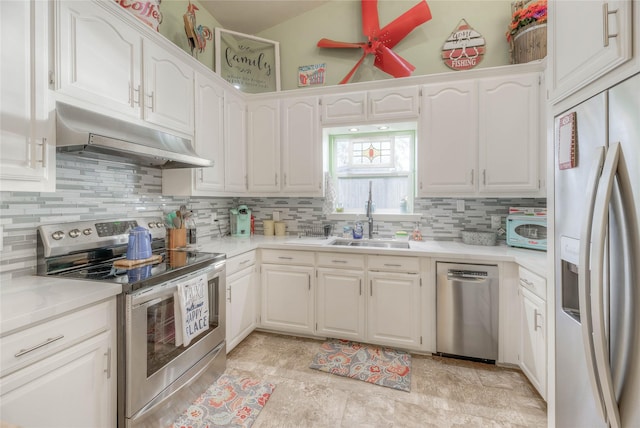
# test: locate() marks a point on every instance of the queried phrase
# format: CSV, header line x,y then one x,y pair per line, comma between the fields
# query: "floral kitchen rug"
x,y
228,402
381,366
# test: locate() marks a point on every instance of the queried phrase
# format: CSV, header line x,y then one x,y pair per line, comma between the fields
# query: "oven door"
x,y
153,361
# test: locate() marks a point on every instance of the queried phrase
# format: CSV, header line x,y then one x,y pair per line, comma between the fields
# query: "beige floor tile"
x,y
445,392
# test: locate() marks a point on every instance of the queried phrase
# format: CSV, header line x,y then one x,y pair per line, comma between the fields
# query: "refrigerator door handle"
x,y
584,286
600,342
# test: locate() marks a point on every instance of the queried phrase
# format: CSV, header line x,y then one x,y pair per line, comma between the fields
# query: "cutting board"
x,y
125,263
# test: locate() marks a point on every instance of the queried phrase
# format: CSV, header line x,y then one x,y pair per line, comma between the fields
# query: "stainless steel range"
x,y
157,379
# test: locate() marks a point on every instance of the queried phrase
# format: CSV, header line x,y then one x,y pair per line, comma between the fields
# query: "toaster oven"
x,y
527,231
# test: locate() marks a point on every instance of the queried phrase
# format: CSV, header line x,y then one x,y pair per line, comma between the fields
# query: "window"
x,y
385,159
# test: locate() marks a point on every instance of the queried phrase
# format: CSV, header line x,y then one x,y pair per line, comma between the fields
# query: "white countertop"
x,y
32,299
530,259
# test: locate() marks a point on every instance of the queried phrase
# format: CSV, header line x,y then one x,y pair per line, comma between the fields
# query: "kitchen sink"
x,y
371,243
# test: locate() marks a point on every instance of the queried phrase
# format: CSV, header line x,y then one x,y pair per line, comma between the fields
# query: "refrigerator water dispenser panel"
x,y
569,255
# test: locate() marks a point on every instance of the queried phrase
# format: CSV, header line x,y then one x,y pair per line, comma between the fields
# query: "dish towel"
x,y
191,309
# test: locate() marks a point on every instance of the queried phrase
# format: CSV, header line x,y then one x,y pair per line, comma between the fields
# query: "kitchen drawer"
x,y
340,260
535,283
288,257
43,340
235,264
394,263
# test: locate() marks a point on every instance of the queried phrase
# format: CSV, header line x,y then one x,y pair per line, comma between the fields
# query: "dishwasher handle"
x,y
467,275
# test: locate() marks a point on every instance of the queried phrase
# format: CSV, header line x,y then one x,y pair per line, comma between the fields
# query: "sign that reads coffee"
x,y
249,63
464,49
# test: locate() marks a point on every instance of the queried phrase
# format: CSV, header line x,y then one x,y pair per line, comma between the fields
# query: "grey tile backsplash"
x,y
89,190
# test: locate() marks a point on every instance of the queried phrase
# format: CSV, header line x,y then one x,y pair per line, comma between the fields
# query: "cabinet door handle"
x,y
338,261
136,92
43,152
371,287
285,258
309,278
108,369
276,178
361,287
472,176
421,185
285,178
525,281
40,345
605,24
152,103
244,262
229,290
392,265
484,177
535,320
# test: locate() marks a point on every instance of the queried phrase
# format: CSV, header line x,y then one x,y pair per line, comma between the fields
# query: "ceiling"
x,y
254,16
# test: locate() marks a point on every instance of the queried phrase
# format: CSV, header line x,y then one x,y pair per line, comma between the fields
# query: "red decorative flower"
x,y
534,12
243,413
262,400
225,395
374,369
399,370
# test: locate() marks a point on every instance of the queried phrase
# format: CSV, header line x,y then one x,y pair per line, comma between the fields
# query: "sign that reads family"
x,y
464,49
249,63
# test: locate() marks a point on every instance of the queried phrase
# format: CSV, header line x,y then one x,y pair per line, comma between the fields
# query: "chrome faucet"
x,y
370,213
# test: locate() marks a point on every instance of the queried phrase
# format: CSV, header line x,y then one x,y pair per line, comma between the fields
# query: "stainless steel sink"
x,y
371,243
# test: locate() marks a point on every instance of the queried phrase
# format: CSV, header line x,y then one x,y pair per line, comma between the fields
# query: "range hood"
x,y
98,136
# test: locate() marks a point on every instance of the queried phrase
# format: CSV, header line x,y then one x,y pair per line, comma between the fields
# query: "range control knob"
x,y
58,235
159,225
74,233
87,231
152,225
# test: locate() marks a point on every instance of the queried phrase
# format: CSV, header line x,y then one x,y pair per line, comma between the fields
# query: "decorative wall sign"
x,y
567,141
197,35
310,75
147,11
464,49
250,63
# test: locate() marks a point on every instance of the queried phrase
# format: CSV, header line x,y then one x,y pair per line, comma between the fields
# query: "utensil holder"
x,y
177,238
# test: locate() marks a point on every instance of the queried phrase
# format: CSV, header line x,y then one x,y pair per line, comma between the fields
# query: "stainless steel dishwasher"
x,y
467,310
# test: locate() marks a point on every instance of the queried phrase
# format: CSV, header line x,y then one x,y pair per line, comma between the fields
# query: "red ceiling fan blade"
x,y
353,70
370,22
392,63
326,43
398,29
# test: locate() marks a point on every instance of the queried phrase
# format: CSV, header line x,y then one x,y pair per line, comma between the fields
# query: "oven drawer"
x,y
35,343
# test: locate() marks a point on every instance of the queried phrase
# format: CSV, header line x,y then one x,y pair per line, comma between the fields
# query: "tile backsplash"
x,y
88,190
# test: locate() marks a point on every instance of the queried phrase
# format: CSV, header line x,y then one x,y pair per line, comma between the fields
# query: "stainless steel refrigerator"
x,y
597,260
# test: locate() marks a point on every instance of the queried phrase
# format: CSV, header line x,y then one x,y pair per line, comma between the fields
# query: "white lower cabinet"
x,y
533,345
340,303
287,294
241,299
393,316
68,381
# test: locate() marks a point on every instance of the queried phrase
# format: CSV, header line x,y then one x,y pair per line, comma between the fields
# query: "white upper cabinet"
x,y
344,108
263,144
586,41
448,149
99,57
397,103
383,104
168,89
301,147
27,149
509,132
209,135
106,63
235,143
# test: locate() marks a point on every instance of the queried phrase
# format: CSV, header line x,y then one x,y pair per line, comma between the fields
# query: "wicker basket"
x,y
529,44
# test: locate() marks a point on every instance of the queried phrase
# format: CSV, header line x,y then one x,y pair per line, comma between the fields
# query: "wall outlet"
x,y
496,221
214,217
460,205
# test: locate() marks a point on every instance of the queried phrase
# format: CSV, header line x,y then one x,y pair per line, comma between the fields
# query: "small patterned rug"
x,y
229,402
381,366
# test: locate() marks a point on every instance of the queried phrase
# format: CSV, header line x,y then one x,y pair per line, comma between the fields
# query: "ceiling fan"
x,y
381,41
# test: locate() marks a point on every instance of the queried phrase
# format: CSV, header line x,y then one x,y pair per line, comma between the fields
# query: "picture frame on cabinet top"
x,y
249,63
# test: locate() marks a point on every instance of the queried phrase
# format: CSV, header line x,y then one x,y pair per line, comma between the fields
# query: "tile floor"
x,y
445,392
